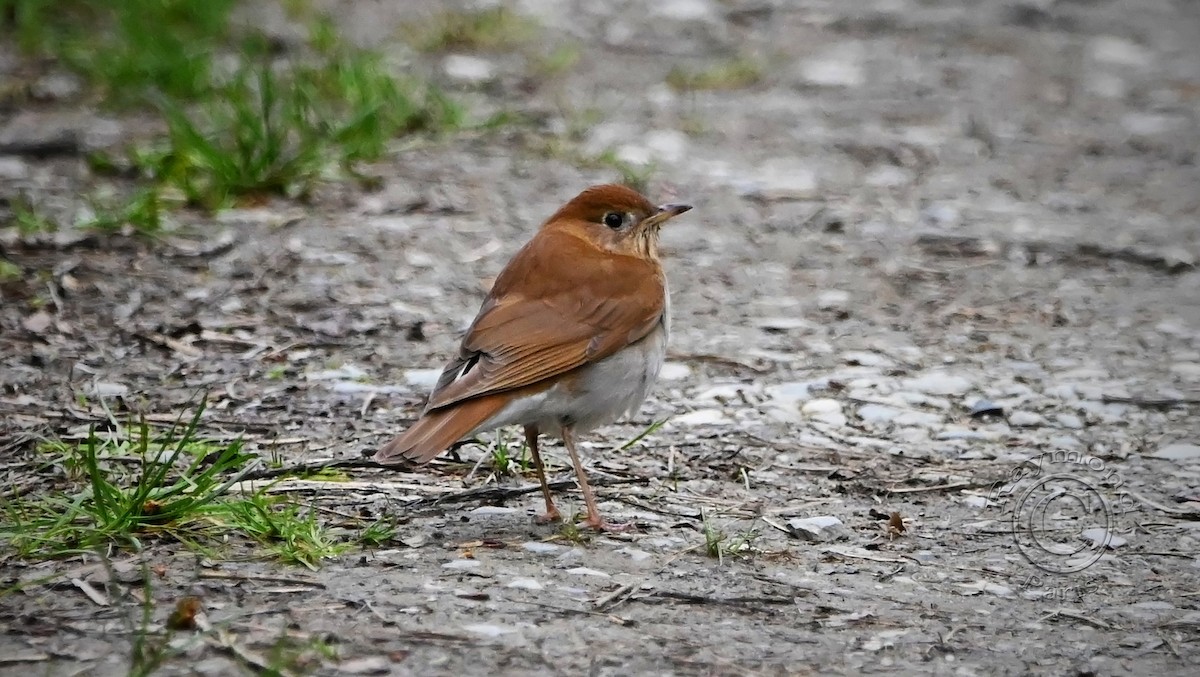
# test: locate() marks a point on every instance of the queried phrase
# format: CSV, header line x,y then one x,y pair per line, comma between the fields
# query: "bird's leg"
x,y
593,518
531,438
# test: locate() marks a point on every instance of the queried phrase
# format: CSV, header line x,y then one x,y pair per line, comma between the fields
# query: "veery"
x,y
571,337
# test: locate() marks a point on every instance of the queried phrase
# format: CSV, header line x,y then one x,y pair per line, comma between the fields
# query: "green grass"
x,y
508,459
719,545
127,49
10,272
158,500
286,530
137,486
736,73
265,127
471,30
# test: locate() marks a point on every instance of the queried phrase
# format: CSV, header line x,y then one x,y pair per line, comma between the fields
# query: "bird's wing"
x,y
559,304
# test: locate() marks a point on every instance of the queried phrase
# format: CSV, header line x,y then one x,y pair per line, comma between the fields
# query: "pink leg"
x,y
593,519
531,438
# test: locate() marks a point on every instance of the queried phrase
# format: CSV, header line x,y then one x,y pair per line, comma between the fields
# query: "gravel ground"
x,y
941,264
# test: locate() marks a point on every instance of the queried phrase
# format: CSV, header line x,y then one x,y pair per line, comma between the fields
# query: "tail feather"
x,y
436,430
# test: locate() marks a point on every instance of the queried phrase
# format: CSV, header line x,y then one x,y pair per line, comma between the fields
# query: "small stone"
x,y
101,389
38,322
877,413
540,548
833,299
415,540
789,393
941,215
824,410
488,629
1187,371
918,419
684,10
56,86
888,176
1100,536
1150,124
1120,52
462,564
719,393
1069,421
666,145
977,587
783,178
13,168
975,435
862,358
821,406
939,383
674,371
365,665
782,324
470,70
840,66
975,501
1179,451
984,408
422,378
346,372
492,510
1025,419
703,417
524,584
635,554
585,571
817,529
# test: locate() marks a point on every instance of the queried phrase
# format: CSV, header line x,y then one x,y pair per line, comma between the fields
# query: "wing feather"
x,y
559,304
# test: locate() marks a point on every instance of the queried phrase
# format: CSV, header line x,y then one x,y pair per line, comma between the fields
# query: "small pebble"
x,y
541,548
939,383
817,529
462,564
983,408
1069,421
470,70
488,629
1025,419
524,584
703,417
1182,452
490,510
585,571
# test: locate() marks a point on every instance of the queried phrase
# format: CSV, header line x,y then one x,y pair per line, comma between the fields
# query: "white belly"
x,y
604,392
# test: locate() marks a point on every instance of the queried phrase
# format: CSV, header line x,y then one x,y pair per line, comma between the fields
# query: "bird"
x,y
571,337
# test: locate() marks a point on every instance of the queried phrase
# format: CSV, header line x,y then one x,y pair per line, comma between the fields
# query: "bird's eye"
x,y
614,220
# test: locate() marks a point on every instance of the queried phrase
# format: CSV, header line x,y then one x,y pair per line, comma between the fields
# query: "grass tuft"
x,y
473,30
719,545
135,486
240,124
128,49
736,73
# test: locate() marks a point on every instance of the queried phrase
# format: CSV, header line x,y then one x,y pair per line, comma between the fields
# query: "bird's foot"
x,y
551,515
597,523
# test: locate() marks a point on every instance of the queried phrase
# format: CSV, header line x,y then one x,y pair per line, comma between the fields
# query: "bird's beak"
x,y
665,213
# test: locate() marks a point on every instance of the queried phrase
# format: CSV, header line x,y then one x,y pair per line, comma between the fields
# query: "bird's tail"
x,y
438,429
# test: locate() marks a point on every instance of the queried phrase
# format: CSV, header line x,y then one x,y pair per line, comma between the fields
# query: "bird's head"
x,y
616,219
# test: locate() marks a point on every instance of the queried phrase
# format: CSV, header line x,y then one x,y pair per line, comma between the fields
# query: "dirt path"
x,y
920,206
